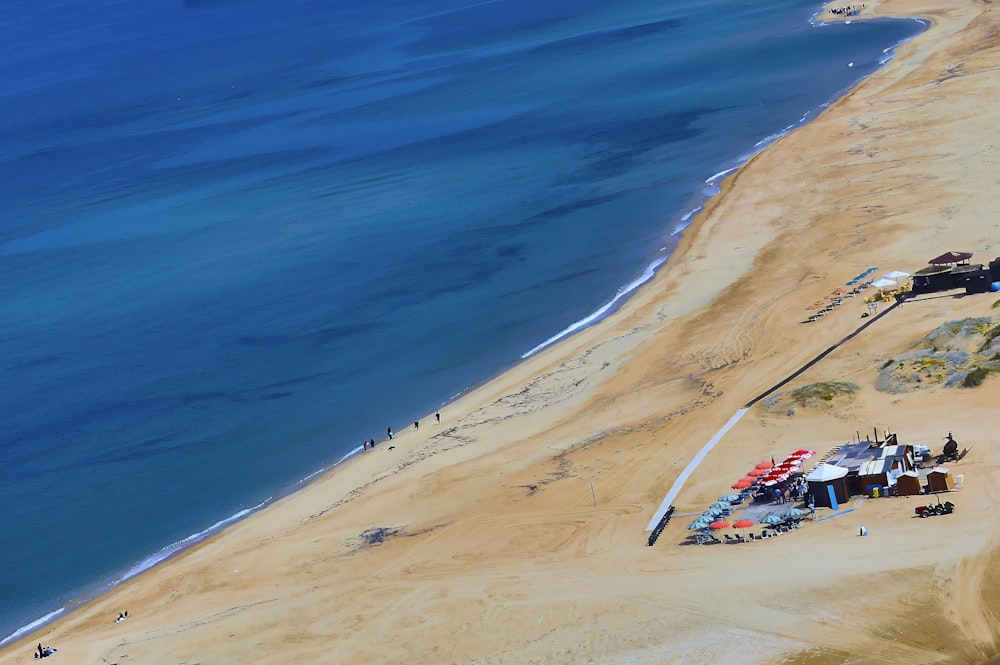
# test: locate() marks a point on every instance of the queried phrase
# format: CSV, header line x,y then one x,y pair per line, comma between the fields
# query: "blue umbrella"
x,y
772,519
794,512
712,512
729,497
722,505
698,525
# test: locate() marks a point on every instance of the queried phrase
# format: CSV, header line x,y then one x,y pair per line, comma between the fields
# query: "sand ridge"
x,y
499,554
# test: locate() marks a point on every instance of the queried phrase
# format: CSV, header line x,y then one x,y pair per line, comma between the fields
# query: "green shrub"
x,y
975,377
990,335
889,362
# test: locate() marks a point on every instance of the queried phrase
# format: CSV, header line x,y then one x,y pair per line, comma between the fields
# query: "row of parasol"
x,y
768,473
707,522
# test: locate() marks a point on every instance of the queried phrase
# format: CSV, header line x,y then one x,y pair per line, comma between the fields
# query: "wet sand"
x,y
494,551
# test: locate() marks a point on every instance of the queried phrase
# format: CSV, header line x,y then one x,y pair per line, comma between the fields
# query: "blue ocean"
x,y
239,237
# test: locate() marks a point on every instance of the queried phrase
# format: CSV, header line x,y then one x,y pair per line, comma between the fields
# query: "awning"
x,y
825,472
950,257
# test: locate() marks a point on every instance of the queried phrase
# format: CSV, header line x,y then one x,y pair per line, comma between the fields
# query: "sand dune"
x,y
494,551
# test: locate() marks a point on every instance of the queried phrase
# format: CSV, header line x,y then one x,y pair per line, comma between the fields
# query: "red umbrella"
x,y
742,524
764,465
721,524
804,453
756,473
742,483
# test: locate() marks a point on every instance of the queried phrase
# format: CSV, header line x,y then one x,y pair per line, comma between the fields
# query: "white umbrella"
x,y
883,283
896,274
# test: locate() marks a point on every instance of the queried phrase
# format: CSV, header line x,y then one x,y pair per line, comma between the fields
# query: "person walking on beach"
x,y
388,431
41,654
416,424
437,416
371,443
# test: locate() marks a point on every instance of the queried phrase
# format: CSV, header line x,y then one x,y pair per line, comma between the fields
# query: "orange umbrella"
x,y
742,483
756,473
721,524
764,465
742,524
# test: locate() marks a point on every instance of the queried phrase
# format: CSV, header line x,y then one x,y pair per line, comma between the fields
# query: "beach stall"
x,y
827,485
908,484
939,480
886,287
875,477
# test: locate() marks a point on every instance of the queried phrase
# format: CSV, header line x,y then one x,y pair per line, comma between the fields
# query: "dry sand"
x,y
500,554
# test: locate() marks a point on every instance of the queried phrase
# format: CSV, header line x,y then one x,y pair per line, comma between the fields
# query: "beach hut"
x,y
874,476
939,480
827,485
908,484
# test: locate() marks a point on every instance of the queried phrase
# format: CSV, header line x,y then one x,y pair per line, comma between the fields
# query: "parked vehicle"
x,y
946,508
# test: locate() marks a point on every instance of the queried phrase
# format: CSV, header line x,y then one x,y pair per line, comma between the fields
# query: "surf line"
x,y
689,469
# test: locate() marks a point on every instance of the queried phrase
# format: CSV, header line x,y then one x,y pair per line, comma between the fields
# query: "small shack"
x,y
939,480
875,477
908,484
827,486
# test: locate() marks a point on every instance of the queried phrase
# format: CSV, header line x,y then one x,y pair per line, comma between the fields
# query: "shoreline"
x,y
698,205
540,360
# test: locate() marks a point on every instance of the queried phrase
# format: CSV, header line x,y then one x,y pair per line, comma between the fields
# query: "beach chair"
x,y
730,539
740,539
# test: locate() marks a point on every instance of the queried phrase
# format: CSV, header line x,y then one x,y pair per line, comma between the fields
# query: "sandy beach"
x,y
477,540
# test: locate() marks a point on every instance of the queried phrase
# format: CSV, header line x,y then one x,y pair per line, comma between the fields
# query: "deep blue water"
x,y
237,237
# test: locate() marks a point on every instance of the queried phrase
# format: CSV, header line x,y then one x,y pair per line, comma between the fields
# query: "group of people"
x,y
44,652
849,10
792,491
370,443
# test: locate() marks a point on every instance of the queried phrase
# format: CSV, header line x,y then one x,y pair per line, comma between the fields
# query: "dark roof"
x,y
950,257
852,455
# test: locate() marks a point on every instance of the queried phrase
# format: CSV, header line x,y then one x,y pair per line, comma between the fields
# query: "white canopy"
x,y
896,274
825,472
884,283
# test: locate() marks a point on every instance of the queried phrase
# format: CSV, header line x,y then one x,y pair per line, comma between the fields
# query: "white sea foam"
x,y
595,316
27,628
691,213
170,550
720,175
684,221
351,453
